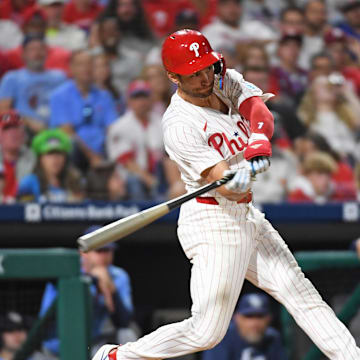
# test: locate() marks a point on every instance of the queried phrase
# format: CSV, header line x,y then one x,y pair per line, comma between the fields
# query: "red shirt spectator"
x,y
57,59
317,184
4,64
16,160
14,9
81,13
161,13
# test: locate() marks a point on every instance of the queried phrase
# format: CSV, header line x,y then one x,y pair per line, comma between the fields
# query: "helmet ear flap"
x,y
218,67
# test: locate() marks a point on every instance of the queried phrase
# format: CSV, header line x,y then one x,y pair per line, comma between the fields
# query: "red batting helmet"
x,y
187,51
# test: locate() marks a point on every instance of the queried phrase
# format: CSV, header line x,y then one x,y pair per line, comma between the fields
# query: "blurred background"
x,y
82,93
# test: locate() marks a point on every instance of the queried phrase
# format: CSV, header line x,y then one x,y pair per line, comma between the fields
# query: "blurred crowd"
x,y
83,90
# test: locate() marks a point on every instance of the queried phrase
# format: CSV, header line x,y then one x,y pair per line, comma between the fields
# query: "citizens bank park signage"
x,y
82,212
105,212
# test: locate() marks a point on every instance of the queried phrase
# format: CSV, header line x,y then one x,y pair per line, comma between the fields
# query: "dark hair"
x,y
69,177
321,144
97,180
290,9
138,26
322,54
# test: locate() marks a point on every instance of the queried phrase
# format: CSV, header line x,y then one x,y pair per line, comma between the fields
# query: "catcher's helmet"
x,y
187,51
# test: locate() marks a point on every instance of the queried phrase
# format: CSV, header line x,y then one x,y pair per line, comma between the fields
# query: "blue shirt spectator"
x,y
89,116
83,111
99,312
351,23
249,336
28,89
118,307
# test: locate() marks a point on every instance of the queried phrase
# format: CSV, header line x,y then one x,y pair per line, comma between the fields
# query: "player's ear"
x,y
175,78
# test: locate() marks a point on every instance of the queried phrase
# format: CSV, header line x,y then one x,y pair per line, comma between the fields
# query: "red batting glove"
x,y
258,145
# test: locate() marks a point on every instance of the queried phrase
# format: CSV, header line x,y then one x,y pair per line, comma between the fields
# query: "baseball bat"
x,y
123,227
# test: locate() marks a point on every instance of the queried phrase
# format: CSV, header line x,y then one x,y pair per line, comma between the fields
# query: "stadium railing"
x,y
72,305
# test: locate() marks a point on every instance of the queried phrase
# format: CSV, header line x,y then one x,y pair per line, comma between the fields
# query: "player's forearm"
x,y
260,117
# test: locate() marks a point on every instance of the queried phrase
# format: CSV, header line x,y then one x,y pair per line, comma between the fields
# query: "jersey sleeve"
x,y
119,147
190,150
237,89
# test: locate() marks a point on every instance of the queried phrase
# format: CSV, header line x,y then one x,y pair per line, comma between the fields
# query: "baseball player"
x,y
216,124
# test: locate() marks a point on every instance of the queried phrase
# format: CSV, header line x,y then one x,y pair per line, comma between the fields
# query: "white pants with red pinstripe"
x,y
225,244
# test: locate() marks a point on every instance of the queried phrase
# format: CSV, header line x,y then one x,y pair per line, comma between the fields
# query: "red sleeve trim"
x,y
260,117
125,157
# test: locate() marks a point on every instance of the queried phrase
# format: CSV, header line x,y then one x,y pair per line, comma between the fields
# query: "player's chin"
x,y
205,93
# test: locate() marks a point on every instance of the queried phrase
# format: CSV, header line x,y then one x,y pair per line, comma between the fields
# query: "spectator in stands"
x,y
161,87
16,160
133,26
81,13
292,20
315,182
58,33
330,108
111,294
263,10
83,111
338,47
27,90
316,25
321,64
106,183
229,31
125,64
35,24
187,19
184,19
351,23
254,55
102,79
249,335
163,14
290,78
14,9
343,177
53,179
135,142
13,333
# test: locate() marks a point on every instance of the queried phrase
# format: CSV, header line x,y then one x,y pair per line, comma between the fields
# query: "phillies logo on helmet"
x,y
195,47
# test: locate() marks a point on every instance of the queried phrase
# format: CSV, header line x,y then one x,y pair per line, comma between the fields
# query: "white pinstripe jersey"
x,y
197,138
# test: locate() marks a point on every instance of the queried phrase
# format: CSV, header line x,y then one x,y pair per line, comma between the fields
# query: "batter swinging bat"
x,y
123,227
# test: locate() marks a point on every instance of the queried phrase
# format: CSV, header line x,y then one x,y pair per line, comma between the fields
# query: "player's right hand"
x,y
241,182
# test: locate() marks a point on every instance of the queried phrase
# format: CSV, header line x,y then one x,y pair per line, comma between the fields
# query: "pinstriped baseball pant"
x,y
225,244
